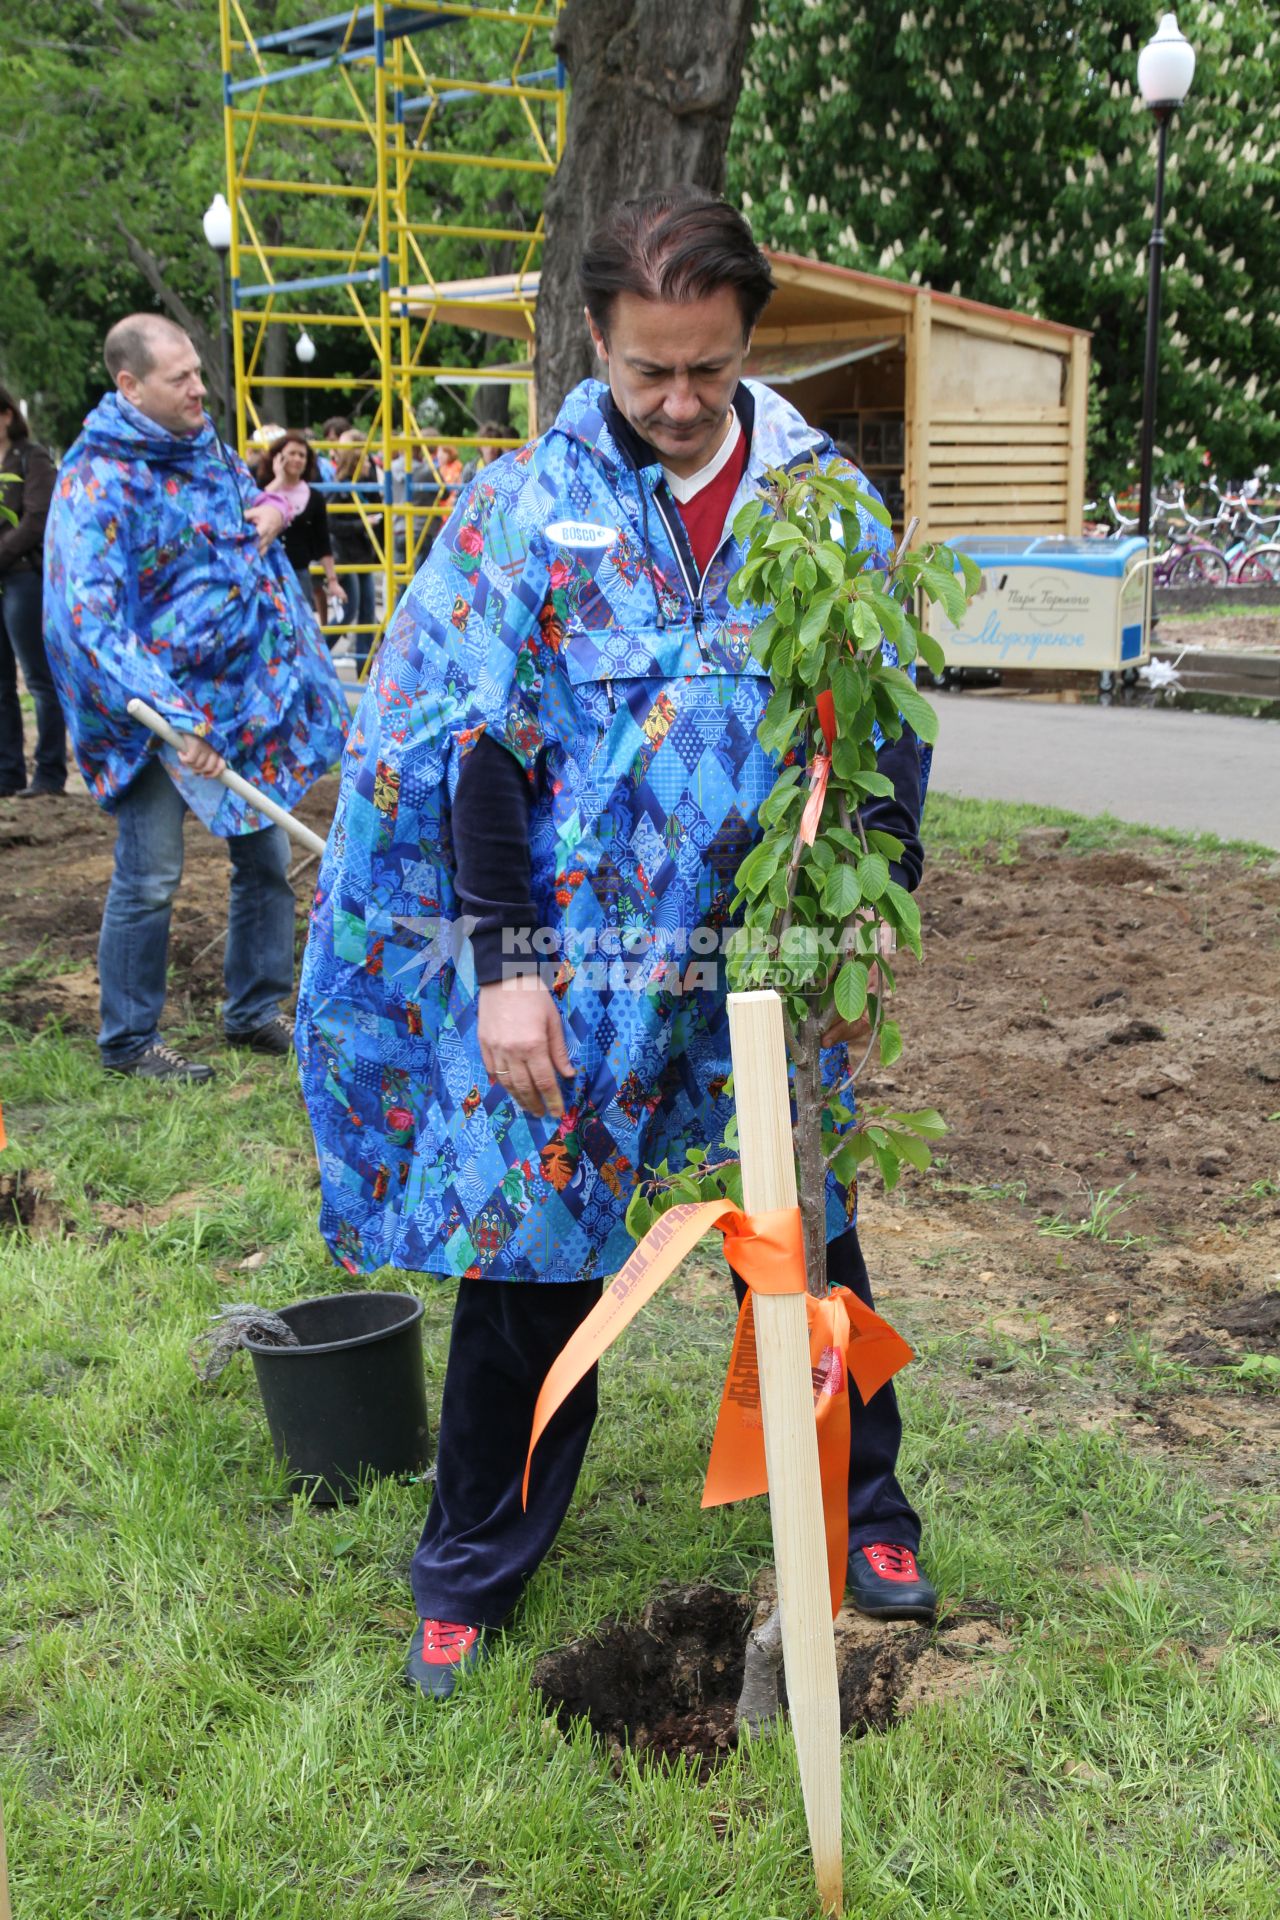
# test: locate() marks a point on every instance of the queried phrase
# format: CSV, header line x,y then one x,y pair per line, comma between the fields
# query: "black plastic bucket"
x,y
352,1399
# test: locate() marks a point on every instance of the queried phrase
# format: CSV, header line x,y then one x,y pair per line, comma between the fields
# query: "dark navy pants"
x,y
479,1546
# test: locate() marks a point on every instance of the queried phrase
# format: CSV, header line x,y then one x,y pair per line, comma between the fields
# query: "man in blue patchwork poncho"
x,y
162,582
558,756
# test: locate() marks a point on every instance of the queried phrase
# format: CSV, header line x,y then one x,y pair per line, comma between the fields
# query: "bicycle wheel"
x,y
1261,568
1199,567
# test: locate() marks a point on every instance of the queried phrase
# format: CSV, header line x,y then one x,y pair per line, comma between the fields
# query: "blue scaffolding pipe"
x,y
367,276
474,93
338,29
294,73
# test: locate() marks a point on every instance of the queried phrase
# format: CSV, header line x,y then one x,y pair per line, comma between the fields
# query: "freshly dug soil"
x,y
665,1687
56,856
1102,1035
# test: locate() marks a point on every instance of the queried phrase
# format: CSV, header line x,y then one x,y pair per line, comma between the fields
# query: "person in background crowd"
x,y
26,486
333,429
403,471
485,455
164,582
352,542
449,466
286,469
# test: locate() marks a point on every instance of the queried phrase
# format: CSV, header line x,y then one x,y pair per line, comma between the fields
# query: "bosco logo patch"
x,y
580,533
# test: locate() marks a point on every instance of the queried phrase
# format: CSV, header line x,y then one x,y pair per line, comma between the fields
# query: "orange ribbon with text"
x,y
847,1340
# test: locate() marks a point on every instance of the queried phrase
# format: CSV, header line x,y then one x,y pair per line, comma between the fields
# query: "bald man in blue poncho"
x,y
162,582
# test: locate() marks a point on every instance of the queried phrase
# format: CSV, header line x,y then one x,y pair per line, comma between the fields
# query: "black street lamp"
x,y
1165,68
217,231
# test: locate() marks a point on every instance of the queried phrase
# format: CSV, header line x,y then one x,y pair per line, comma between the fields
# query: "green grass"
x,y
989,829
200,1713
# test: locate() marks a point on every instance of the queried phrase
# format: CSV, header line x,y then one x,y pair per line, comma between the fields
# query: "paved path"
x,y
1198,772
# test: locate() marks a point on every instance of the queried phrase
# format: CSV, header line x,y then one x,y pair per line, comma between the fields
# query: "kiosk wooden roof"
x,y
971,416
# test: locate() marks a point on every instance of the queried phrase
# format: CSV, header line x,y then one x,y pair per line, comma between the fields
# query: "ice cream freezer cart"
x,y
1052,604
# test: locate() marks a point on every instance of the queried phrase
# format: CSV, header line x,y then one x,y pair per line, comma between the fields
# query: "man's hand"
x,y
268,520
522,1043
201,757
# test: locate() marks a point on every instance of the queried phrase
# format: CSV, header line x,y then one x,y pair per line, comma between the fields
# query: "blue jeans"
x,y
133,947
21,639
361,610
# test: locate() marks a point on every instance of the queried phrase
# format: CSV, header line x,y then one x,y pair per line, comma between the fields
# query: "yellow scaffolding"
x,y
347,193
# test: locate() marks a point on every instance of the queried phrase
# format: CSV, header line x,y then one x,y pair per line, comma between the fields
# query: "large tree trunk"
x,y
655,84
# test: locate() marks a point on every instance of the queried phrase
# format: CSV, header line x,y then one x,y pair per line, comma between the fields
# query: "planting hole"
x,y
24,1203
666,1686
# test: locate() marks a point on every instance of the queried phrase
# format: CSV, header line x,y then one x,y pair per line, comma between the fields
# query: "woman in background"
x,y
288,469
26,487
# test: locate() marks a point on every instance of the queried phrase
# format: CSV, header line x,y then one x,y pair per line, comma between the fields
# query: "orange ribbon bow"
x,y
820,771
846,1340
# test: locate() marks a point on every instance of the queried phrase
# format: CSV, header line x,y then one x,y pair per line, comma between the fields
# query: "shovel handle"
x,y
261,801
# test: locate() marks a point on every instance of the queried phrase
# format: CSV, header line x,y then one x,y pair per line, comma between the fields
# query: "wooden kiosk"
x,y
972,417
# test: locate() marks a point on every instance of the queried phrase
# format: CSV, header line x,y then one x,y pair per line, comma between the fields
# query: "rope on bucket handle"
x,y
231,1328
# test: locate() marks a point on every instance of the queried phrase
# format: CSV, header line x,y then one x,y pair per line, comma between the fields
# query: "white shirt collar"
x,y
685,486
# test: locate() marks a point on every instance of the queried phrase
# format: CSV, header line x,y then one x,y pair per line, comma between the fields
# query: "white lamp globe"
x,y
217,224
1166,65
305,348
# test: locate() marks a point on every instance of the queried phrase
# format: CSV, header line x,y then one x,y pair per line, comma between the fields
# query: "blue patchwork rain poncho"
x,y
555,612
154,588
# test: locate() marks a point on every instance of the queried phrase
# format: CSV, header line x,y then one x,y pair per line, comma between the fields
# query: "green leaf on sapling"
x,y
873,875
814,624
866,627
931,653
745,519
830,558
908,1147
639,1215
844,1163
762,638
886,1159
875,507
897,905
841,837
851,991
840,892
941,585
885,608
912,705
886,843
970,570
890,1042
870,780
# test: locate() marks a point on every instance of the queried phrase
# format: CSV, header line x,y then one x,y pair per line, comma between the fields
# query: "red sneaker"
x,y
885,1582
440,1652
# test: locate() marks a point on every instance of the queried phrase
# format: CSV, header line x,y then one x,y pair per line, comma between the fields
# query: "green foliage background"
x,y
1003,152
983,147
113,128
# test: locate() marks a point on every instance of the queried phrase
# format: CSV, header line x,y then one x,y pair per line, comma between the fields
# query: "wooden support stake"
x,y
261,801
6,1911
790,1436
